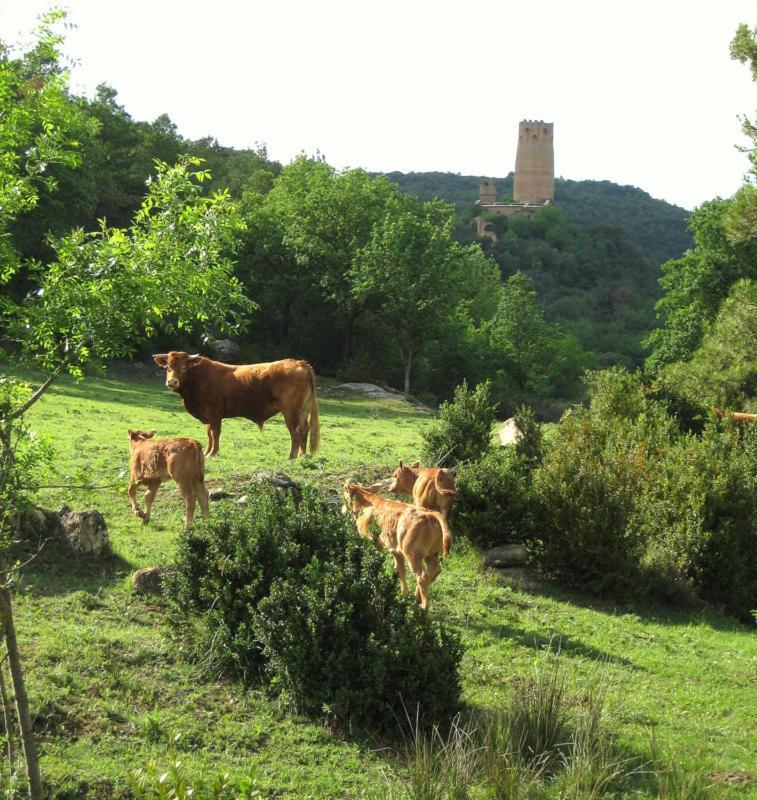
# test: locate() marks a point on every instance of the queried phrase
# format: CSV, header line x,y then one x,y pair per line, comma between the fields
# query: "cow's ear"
x,y
402,464
131,432
161,360
149,434
416,465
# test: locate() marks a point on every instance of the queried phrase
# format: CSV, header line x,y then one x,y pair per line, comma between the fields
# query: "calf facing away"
x,y
156,460
430,487
409,533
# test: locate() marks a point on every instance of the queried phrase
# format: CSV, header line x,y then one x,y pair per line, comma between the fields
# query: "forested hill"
x,y
658,228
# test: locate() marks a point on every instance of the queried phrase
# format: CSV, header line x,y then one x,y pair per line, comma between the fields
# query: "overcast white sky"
x,y
640,93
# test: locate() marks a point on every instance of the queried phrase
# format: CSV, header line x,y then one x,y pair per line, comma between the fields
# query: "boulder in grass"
x,y
85,531
506,555
148,580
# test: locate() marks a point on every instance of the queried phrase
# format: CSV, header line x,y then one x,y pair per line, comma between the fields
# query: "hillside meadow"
x,y
111,692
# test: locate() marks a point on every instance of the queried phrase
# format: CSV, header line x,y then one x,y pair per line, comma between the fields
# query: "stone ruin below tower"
x,y
534,183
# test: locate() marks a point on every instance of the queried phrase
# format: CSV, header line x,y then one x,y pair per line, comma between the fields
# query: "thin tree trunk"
x,y
408,369
22,701
7,718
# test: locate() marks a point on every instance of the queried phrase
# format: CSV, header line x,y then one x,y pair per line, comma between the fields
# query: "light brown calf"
x,y
430,487
409,533
156,460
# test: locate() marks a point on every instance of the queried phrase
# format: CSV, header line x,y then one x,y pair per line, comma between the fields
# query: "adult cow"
x,y
213,391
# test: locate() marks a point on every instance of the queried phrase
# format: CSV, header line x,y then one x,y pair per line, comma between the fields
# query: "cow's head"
x,y
403,478
353,497
177,364
140,436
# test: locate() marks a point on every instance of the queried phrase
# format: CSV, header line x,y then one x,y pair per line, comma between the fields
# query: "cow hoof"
x,y
145,519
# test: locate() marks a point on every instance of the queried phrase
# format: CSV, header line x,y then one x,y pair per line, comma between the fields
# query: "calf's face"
x,y
176,364
403,479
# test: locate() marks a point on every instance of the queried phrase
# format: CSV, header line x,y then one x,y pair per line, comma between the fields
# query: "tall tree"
x,y
414,272
326,217
104,291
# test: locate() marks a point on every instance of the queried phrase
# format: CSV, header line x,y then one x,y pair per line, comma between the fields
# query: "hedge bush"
x,y
493,504
463,431
625,502
292,596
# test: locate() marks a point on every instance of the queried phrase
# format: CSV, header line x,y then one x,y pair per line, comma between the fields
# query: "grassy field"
x,y
111,692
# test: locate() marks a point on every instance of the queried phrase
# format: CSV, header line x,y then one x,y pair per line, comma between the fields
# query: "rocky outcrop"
x,y
83,531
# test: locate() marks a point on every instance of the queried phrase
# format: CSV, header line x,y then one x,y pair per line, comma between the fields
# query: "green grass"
x,y
111,692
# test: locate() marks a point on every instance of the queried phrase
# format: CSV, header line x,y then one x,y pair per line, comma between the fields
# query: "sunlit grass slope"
x,y
111,692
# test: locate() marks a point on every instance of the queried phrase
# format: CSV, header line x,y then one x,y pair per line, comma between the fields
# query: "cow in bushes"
x,y
430,487
213,391
411,534
156,460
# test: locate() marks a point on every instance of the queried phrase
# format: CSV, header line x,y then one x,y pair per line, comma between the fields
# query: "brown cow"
x,y
409,533
430,487
156,460
213,391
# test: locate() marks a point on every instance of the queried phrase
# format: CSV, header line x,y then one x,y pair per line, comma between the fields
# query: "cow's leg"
x,y
136,510
152,490
399,568
422,581
214,437
433,570
190,499
202,496
303,429
292,422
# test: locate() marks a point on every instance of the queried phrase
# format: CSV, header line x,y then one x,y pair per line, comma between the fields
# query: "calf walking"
x,y
156,460
411,534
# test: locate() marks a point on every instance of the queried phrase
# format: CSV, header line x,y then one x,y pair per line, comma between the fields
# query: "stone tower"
x,y
534,163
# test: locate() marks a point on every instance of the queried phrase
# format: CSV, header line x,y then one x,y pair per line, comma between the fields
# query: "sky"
x,y
642,93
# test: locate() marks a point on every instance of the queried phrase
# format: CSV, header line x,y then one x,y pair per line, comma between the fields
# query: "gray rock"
x,y
509,433
219,494
242,501
283,483
506,555
85,531
148,580
224,350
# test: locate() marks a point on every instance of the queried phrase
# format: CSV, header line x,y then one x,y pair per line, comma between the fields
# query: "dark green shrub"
x,y
626,502
586,488
296,597
699,518
463,431
493,502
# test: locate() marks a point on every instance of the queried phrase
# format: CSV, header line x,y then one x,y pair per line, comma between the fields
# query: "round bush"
x,y
493,502
294,597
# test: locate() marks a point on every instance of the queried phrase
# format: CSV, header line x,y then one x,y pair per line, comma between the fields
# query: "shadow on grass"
x,y
641,610
58,571
556,642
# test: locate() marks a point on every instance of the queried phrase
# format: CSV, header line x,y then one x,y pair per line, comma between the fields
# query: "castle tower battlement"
x,y
534,163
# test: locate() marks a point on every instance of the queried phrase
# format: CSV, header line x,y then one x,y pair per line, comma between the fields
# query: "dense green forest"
x,y
338,263
317,251
657,228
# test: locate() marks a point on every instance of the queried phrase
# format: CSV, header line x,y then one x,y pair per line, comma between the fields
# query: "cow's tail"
x,y
315,428
446,534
